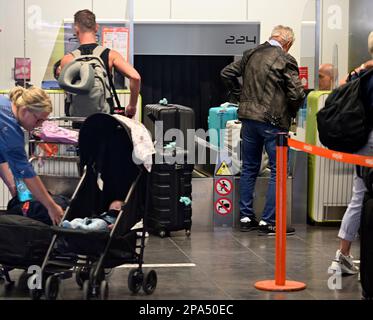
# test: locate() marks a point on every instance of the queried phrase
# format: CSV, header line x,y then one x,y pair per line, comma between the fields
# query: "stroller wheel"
x,y
150,282
5,277
86,290
100,275
22,281
135,278
104,290
81,275
35,293
52,286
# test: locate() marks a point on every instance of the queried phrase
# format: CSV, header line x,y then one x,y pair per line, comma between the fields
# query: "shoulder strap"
x,y
99,50
110,76
76,53
362,74
96,52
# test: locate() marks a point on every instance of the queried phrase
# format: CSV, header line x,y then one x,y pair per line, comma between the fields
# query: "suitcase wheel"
x,y
162,233
187,232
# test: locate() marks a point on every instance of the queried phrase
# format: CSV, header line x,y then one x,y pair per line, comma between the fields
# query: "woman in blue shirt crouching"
x,y
27,109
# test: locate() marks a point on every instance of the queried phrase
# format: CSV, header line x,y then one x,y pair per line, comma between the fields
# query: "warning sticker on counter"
x,y
223,170
223,186
223,206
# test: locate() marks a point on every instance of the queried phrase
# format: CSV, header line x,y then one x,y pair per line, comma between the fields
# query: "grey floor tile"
x,y
227,263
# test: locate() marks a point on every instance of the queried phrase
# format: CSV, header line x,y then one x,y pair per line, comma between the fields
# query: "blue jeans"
x,y
351,218
255,136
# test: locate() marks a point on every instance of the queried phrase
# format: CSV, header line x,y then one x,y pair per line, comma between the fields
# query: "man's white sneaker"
x,y
344,264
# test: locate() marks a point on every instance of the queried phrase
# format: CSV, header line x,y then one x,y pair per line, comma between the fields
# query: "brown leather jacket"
x,y
271,90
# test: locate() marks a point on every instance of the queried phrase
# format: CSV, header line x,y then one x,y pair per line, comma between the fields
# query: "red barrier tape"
x,y
366,161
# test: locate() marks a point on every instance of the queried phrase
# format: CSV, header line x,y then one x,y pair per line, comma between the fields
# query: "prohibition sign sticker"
x,y
223,206
223,186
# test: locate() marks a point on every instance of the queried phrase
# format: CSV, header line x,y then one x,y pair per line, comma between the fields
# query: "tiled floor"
x,y
227,264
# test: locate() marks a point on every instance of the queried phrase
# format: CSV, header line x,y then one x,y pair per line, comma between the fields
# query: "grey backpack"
x,y
86,81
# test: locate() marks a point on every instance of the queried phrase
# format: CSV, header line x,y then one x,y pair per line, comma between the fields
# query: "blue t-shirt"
x,y
12,143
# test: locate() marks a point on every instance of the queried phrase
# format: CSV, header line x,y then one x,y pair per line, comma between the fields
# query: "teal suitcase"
x,y
217,120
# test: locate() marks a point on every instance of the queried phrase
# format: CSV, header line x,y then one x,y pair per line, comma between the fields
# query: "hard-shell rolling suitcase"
x,y
232,144
171,185
366,237
217,120
173,116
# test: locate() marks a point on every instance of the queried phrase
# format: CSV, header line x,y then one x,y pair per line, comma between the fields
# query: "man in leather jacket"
x,y
270,95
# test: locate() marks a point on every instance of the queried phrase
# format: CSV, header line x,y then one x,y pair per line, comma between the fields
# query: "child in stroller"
x,y
104,221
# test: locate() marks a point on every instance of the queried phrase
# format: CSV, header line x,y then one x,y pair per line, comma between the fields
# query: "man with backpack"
x,y
92,93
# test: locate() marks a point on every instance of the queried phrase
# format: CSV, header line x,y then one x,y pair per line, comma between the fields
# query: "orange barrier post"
x,y
280,283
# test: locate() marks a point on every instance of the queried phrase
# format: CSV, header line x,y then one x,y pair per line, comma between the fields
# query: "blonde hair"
x,y
283,33
34,99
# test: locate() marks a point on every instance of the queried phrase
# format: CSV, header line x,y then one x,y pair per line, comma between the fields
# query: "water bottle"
x,y
24,194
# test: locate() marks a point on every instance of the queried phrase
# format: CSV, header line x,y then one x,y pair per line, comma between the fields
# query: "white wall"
x,y
40,41
209,10
335,31
109,9
152,10
11,38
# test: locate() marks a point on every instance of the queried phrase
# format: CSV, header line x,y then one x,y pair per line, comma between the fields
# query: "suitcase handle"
x,y
229,105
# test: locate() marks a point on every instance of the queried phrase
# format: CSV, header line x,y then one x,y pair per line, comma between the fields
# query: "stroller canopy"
x,y
106,148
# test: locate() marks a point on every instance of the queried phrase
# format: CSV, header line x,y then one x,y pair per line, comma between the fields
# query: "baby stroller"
x,y
108,173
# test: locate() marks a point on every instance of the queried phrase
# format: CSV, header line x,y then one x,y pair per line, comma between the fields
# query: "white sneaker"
x,y
344,264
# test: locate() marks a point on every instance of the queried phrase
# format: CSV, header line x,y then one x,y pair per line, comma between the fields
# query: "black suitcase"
x,y
170,182
174,116
366,237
